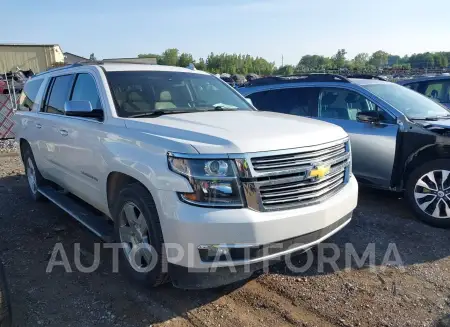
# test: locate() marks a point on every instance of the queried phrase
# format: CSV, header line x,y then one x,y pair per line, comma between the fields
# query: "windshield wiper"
x,y
223,108
160,112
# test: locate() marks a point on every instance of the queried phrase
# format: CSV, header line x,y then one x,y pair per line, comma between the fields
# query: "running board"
x,y
96,224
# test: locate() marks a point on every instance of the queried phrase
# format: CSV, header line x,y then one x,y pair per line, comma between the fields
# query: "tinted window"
x,y
86,89
140,92
437,90
29,93
345,104
294,101
59,94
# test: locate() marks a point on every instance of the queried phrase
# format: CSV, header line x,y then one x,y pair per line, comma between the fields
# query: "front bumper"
x,y
187,227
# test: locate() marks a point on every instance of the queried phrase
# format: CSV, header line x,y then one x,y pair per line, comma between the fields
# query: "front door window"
x,y
345,104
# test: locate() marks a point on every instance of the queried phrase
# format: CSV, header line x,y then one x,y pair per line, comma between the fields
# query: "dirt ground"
x,y
416,295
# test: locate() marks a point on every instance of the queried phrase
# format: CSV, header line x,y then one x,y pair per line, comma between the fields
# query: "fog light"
x,y
210,253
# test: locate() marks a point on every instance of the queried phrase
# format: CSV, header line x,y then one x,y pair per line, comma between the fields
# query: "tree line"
x,y
245,64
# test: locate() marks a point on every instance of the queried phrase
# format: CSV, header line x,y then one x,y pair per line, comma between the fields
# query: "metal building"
x,y
37,57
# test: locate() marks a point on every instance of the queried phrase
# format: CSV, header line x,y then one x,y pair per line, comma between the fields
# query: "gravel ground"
x,y
8,146
417,294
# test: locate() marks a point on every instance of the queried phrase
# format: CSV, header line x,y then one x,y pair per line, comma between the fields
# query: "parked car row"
x,y
171,155
237,80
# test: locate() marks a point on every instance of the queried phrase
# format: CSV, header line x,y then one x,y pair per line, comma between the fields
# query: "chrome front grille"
x,y
300,160
283,179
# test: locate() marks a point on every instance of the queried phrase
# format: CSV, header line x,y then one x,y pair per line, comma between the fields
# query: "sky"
x,y
271,29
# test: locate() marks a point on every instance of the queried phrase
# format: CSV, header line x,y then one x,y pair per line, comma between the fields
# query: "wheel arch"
x,y
424,155
23,143
116,180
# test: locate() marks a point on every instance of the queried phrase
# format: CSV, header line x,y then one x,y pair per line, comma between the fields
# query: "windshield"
x,y
137,93
414,105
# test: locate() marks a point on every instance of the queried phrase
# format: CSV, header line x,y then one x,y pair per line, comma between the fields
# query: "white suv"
x,y
180,161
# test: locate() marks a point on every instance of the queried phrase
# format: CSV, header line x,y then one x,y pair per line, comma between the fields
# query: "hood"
x,y
238,131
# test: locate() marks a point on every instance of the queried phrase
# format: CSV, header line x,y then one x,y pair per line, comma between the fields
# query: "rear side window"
x,y
58,94
28,95
86,89
294,101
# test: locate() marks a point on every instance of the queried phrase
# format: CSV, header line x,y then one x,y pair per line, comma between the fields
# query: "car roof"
x,y
279,85
424,79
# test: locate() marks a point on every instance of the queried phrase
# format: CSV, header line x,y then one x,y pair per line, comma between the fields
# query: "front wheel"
x,y
428,192
138,228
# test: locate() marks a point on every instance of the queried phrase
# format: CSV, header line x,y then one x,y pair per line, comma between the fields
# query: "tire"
x,y
5,304
133,208
428,192
34,177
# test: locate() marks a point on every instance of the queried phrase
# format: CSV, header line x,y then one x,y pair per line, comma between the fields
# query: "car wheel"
x,y
428,192
34,177
138,228
5,304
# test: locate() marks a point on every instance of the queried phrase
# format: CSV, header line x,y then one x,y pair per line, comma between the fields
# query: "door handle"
x,y
38,125
63,132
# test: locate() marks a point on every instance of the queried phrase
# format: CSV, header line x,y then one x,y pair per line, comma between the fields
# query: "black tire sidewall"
x,y
140,196
440,164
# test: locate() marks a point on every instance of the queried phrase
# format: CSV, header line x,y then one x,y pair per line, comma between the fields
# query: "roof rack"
x,y
56,69
92,62
314,77
367,76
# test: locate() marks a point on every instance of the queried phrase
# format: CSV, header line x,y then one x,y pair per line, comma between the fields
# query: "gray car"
x,y
400,139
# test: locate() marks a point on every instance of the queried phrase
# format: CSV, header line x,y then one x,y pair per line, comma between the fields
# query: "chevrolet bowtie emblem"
x,y
319,171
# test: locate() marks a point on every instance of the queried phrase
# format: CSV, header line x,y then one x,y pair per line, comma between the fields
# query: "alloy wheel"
x,y
31,176
134,235
432,193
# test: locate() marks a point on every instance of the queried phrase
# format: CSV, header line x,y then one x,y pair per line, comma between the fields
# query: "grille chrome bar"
x,y
262,160
297,159
317,187
291,183
295,163
305,196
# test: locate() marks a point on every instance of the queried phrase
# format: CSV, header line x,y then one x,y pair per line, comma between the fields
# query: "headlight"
x,y
213,181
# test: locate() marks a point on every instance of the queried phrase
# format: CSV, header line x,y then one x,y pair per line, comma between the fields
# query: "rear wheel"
x,y
34,177
428,192
137,227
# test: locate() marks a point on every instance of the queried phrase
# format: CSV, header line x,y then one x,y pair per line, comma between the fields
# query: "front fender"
x,y
147,164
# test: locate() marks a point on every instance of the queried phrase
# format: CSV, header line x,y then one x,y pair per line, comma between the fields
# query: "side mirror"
x,y
249,101
82,108
368,117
